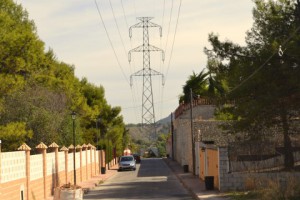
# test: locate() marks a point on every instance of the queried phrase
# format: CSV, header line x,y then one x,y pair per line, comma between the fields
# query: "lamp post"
x,y
74,167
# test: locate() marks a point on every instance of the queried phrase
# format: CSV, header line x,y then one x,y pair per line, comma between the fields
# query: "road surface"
x,y
152,180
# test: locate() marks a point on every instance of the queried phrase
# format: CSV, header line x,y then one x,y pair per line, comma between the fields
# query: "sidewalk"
x,y
193,183
98,179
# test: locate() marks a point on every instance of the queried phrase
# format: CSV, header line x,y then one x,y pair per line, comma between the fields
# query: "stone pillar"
x,y
65,149
72,150
27,149
42,148
91,158
95,159
223,167
54,148
100,160
84,146
103,160
80,159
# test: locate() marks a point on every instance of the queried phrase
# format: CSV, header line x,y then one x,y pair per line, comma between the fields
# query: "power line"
x,y
163,15
124,14
133,91
172,45
169,26
178,14
258,69
161,92
118,27
155,103
110,42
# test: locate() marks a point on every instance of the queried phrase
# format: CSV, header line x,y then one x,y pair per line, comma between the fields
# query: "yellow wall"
x,y
213,165
201,164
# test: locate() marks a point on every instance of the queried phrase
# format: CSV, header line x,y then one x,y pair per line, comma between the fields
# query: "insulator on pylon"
x,y
129,56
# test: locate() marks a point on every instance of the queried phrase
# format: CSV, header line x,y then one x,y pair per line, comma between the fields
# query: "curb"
x,y
195,196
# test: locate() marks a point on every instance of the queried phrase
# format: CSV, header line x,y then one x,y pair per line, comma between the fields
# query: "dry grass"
x,y
287,188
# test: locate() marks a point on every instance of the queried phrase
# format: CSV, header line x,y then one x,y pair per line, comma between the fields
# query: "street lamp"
x,y
73,114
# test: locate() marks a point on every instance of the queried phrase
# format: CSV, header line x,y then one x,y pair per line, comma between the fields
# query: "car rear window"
x,y
126,158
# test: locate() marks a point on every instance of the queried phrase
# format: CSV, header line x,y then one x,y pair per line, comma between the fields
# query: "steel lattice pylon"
x,y
148,114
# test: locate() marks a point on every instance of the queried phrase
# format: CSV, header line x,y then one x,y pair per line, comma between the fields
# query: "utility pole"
x,y
192,131
148,114
172,134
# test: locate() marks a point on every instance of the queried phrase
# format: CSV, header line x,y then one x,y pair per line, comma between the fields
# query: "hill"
x,y
163,126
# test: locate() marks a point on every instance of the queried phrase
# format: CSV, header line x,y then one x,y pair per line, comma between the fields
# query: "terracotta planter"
x,y
68,193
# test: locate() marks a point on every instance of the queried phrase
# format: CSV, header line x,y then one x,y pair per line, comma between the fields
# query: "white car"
x,y
127,162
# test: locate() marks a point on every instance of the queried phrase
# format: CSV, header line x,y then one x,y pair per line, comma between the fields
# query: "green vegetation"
x,y
141,139
259,81
161,144
38,93
202,85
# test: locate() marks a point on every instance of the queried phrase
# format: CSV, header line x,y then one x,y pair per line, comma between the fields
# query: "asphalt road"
x,y
152,180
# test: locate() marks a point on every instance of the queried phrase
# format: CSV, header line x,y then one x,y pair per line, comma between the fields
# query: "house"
x,y
200,144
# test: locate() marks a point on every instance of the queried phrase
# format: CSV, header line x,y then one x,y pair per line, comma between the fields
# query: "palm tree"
x,y
203,84
196,82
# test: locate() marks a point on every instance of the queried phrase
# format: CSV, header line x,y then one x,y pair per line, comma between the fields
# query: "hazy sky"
x,y
74,30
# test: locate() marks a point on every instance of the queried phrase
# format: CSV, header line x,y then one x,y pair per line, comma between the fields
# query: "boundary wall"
x,y
230,181
34,177
212,160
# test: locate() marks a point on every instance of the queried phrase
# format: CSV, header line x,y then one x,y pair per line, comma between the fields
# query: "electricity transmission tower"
x,y
148,115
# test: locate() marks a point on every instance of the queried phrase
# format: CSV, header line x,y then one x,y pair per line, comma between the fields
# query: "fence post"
x,y
80,153
84,146
91,158
72,149
26,148
42,149
54,148
65,150
95,151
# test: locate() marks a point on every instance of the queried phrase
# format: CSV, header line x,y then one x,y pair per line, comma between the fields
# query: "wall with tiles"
x,y
28,177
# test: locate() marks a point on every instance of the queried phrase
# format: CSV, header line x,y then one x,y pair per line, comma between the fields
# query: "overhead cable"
x,y
266,62
178,14
116,56
113,12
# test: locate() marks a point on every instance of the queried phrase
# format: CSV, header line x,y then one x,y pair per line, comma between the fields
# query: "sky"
x,y
93,35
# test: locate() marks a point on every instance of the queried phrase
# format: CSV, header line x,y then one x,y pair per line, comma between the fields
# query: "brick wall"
x,y
36,176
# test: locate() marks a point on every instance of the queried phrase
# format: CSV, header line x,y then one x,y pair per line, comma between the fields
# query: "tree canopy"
x,y
262,78
39,92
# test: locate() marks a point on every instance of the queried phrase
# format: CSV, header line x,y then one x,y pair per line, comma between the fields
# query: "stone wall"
x,y
183,134
231,181
205,128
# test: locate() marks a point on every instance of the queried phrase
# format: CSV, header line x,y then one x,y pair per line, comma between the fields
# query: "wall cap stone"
x,y
24,147
64,148
41,146
53,145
